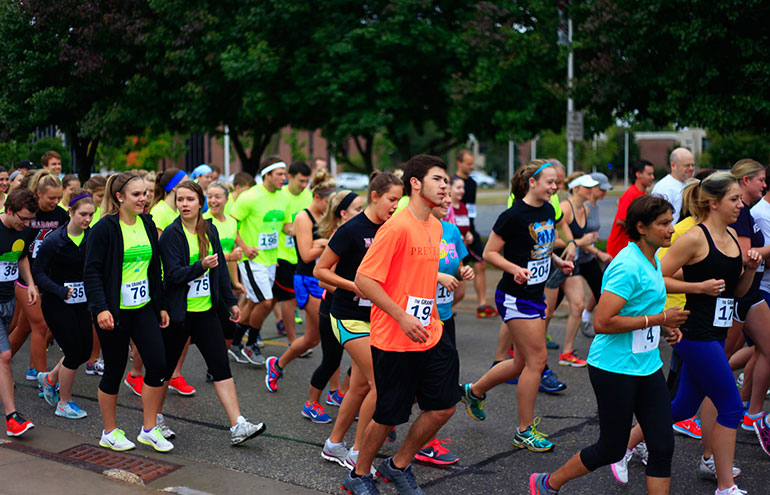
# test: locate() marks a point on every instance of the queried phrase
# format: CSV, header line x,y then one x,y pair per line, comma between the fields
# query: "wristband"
x,y
572,241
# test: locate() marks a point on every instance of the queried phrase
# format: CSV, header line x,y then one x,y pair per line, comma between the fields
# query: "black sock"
x,y
353,474
9,416
393,466
253,334
494,363
546,368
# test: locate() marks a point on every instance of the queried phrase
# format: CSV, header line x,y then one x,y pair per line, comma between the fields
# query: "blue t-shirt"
x,y
452,251
632,277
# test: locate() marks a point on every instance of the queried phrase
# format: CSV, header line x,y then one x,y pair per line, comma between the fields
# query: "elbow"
x,y
600,324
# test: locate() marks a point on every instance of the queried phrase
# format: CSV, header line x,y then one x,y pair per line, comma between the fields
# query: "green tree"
x,y
726,149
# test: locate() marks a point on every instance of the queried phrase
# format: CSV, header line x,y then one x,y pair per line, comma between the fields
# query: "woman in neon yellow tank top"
x,y
163,208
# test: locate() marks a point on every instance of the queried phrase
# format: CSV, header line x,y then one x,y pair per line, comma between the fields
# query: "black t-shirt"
x,y
350,243
44,223
745,227
469,198
13,246
529,234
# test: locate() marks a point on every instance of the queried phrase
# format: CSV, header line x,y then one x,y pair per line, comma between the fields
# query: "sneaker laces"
x,y
317,408
437,446
534,432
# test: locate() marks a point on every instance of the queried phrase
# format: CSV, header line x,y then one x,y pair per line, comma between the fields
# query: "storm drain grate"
x,y
144,467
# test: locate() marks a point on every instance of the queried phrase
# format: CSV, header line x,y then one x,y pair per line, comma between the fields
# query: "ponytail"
x,y
520,181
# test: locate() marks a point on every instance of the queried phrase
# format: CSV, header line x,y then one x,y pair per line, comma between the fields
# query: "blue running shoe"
x,y
273,374
334,398
31,374
550,384
50,394
404,481
70,410
363,485
538,485
473,404
315,413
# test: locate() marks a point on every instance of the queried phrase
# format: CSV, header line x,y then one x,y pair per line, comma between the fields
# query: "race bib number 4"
x,y
199,287
135,293
9,271
444,295
723,312
420,308
78,293
539,270
645,339
268,241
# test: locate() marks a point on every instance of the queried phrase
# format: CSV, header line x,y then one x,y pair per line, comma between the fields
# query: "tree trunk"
x,y
250,162
85,154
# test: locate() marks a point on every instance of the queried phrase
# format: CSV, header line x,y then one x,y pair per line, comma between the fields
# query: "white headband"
x,y
272,167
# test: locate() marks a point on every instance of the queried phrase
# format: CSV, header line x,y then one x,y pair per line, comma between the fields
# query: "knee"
x,y
5,358
577,307
537,361
443,415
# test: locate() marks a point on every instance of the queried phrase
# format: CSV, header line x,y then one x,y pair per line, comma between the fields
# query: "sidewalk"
x,y
41,464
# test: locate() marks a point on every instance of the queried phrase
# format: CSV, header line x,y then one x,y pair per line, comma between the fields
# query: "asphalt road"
x,y
290,449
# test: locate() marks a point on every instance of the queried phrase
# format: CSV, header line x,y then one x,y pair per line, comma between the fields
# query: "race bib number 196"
x,y
268,241
420,308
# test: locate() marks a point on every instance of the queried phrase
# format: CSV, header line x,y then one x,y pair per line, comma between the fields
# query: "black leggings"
x,y
619,397
332,353
592,272
228,325
206,333
141,326
71,327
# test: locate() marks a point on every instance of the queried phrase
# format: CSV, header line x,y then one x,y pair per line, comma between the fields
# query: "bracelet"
x,y
664,317
646,322
572,241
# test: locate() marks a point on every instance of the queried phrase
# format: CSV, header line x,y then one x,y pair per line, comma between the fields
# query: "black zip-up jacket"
x,y
104,266
178,271
59,260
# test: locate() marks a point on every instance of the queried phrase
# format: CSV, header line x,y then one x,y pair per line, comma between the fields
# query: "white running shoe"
x,y
154,438
620,468
708,470
733,490
116,440
245,430
160,422
335,453
641,451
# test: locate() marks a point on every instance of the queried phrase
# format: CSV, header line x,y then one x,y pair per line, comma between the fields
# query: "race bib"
x,y
471,210
199,287
761,267
78,293
444,295
364,303
723,312
539,270
289,242
462,221
135,293
9,271
268,241
420,308
645,339
36,247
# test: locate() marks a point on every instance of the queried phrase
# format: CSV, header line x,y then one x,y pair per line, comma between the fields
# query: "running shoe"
x,y
235,354
40,392
116,440
280,327
550,384
49,391
642,452
707,469
335,453
253,354
315,413
570,359
160,422
31,374
620,468
306,354
549,343
260,343
209,377
245,430
532,439
587,329
762,430
361,485
17,425
739,381
95,368
689,427
403,480
436,453
352,460
70,410
473,404
334,398
273,374
749,420
486,311
297,317
154,438
391,438
733,490
135,383
538,485
180,385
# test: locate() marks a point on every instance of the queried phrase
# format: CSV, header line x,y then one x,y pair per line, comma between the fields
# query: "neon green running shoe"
x,y
474,405
532,439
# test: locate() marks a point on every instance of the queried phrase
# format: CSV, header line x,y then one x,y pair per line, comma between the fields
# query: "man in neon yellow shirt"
x,y
262,215
298,197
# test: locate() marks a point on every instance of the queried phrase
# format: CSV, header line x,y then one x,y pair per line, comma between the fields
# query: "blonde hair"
x,y
330,221
697,193
322,181
746,167
572,176
43,180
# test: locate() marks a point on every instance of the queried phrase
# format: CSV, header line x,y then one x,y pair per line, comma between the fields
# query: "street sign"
x,y
574,126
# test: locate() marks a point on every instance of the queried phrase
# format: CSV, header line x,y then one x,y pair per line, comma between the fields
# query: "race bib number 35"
x,y
135,293
78,293
9,271
645,339
199,287
420,308
268,241
539,270
723,312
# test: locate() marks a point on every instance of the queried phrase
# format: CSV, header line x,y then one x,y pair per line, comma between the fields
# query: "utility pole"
x,y
570,102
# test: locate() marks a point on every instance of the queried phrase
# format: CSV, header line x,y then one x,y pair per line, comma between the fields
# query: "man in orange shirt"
x,y
399,275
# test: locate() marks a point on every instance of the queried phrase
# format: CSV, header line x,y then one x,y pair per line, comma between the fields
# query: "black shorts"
x,y
283,287
475,250
431,376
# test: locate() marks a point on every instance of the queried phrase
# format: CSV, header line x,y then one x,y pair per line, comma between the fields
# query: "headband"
x,y
176,179
546,164
345,203
324,192
272,167
201,170
126,183
14,174
79,197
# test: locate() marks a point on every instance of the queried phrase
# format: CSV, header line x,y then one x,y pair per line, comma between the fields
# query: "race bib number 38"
x,y
9,271
645,339
539,270
420,308
135,293
268,241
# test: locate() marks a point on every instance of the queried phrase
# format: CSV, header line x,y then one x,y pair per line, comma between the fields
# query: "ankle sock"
x,y
586,316
393,466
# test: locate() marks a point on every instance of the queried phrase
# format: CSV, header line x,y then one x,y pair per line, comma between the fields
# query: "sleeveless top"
x,y
592,225
578,232
303,268
710,316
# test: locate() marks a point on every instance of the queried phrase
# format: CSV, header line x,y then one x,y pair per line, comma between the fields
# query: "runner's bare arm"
x,y
410,325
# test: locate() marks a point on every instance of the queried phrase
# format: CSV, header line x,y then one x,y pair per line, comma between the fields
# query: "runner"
x,y
51,161
624,360
351,310
124,292
4,185
670,187
262,214
644,173
308,247
242,181
196,284
59,273
95,187
523,236
15,239
399,274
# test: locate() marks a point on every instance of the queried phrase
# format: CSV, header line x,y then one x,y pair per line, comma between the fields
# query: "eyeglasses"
x,y
23,219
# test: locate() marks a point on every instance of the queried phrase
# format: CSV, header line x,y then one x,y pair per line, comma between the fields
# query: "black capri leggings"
x,y
141,326
206,333
592,272
619,397
228,326
71,327
332,353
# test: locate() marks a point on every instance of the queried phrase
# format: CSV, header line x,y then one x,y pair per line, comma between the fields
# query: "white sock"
x,y
331,444
353,453
724,492
586,316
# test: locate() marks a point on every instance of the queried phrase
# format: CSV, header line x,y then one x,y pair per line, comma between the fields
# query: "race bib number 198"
x,y
420,308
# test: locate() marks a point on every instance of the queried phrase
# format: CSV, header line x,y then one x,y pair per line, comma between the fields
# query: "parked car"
x,y
483,180
350,180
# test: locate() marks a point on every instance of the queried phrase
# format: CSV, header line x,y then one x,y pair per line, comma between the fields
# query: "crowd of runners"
x,y
140,265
